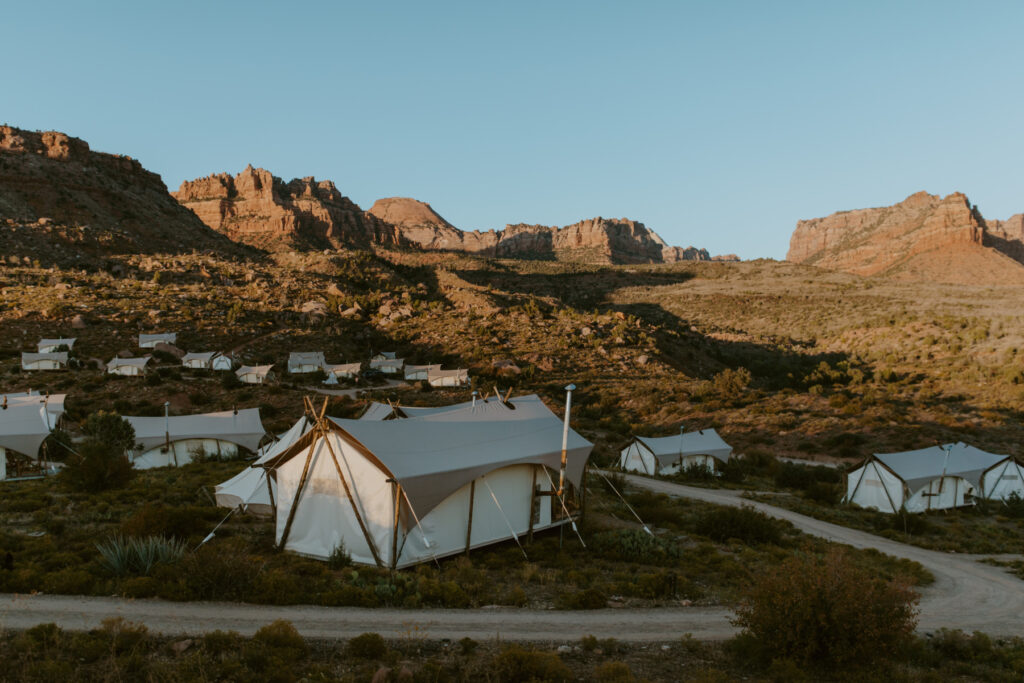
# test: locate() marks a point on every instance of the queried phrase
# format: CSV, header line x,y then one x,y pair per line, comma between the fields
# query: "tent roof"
x,y
306,358
54,402
343,367
123,362
433,456
376,411
60,356
919,467
415,368
69,342
24,426
254,370
244,429
387,363
158,337
284,441
461,373
703,442
205,357
386,355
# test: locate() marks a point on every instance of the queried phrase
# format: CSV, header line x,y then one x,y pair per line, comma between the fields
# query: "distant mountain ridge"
x,y
925,237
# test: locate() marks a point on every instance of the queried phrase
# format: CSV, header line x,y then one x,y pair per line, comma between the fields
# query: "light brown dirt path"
x,y
193,618
966,594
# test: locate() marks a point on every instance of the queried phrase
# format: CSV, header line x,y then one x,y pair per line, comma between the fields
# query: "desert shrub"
x,y
339,558
696,473
173,522
613,672
122,556
791,475
732,471
282,636
731,383
110,428
635,545
97,466
743,523
229,380
367,646
589,598
821,492
154,379
1013,506
220,570
516,665
906,522
826,612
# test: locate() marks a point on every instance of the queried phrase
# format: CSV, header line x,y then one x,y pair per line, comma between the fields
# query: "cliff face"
x,y
63,201
880,240
256,208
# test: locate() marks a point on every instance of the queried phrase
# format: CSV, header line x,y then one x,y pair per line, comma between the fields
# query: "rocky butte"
x,y
62,202
924,237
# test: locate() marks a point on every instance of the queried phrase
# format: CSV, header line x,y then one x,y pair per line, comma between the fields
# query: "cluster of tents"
x,y
400,486
385,362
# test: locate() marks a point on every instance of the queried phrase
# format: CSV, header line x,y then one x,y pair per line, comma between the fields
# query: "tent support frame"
x,y
351,498
469,524
533,502
396,489
298,497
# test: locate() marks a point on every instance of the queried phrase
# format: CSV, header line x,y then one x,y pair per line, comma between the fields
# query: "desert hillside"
x,y
61,202
925,237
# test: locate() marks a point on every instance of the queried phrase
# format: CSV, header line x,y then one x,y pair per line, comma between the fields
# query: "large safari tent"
x,y
174,440
670,454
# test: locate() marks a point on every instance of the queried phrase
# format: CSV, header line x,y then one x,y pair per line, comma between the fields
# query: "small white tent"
x,y
129,367
149,341
198,361
389,366
384,355
53,360
935,478
164,441
670,454
25,422
342,370
302,361
255,374
222,361
52,345
251,489
448,378
400,492
416,372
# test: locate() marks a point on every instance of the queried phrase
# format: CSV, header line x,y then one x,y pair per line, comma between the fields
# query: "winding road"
x,y
966,595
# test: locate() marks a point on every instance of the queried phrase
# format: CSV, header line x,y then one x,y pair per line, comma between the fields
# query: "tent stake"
x,y
469,524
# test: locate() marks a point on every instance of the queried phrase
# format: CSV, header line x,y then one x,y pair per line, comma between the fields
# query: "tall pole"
x,y
565,438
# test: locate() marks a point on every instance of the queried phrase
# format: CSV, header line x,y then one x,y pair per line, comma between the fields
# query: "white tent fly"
x,y
54,360
149,341
341,370
935,478
25,422
305,361
198,361
173,440
416,372
389,366
384,355
129,367
251,489
400,492
448,378
670,454
255,374
222,361
52,345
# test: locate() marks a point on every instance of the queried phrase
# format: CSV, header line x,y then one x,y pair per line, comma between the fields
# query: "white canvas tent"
x,y
415,372
255,374
198,361
303,361
251,489
129,367
149,341
166,441
25,422
384,355
54,360
389,366
52,345
346,370
400,492
670,454
448,378
935,478
222,361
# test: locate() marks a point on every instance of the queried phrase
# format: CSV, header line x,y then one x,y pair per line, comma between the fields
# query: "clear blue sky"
x,y
718,124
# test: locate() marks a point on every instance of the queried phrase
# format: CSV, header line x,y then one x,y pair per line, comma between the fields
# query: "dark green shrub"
x,y
743,523
281,635
635,545
516,665
339,558
220,570
97,466
613,672
367,646
589,598
154,519
826,612
821,492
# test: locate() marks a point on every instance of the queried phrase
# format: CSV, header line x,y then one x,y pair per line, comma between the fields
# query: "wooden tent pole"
x,y
396,489
355,508
533,501
298,496
469,524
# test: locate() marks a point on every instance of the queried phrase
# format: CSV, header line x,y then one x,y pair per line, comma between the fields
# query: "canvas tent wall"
x,y
25,422
419,372
129,367
389,366
53,345
149,341
222,361
302,361
935,478
670,454
198,361
448,378
56,360
255,374
401,492
251,489
342,370
172,441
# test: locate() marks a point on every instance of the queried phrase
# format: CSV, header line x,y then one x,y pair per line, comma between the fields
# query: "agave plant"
x,y
124,556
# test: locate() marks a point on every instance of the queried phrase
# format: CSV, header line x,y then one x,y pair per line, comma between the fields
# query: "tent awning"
x,y
25,426
243,428
917,468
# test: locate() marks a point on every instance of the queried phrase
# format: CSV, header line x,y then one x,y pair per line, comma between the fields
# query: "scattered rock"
x,y
641,360
79,322
181,646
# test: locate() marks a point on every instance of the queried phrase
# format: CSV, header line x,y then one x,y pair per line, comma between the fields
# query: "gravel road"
x,y
966,595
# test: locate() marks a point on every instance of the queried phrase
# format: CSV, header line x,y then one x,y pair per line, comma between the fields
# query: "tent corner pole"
x,y
469,523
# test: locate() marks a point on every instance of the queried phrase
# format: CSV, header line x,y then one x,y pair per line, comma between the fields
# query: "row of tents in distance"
x,y
52,354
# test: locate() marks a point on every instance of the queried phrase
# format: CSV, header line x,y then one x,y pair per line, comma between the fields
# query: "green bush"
x,y
516,665
154,519
589,598
367,646
282,636
97,466
827,612
821,492
220,570
635,545
743,523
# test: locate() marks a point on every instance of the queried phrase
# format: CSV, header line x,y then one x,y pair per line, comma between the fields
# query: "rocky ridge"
x,y
915,235
62,202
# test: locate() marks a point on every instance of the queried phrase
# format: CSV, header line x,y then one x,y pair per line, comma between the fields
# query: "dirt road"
x,y
966,594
